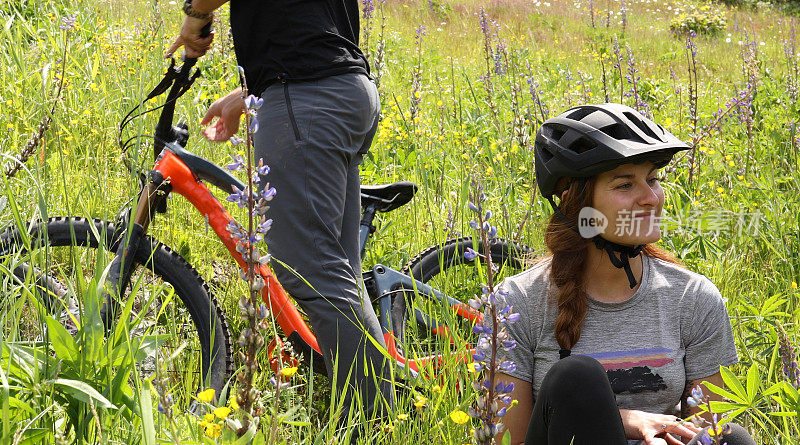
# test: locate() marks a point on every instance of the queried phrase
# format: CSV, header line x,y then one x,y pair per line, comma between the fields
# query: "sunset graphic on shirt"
x,y
652,357
632,371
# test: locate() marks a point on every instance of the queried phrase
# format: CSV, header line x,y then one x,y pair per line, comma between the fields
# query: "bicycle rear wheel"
x,y
172,307
445,268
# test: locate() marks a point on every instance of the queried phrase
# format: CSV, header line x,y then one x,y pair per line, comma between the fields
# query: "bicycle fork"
x,y
153,196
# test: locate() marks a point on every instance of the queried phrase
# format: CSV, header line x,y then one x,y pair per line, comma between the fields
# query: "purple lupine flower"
x,y
492,336
252,128
690,45
265,226
237,164
253,102
68,22
789,359
262,168
268,193
240,197
368,9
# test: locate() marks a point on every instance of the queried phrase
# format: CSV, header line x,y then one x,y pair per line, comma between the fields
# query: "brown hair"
x,y
569,253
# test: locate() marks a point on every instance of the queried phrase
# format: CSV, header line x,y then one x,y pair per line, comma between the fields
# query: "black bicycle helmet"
x,y
591,139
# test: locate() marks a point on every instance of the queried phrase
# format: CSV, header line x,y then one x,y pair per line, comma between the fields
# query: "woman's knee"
x,y
576,373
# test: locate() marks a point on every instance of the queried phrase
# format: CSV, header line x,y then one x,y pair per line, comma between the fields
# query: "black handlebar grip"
x,y
188,62
205,31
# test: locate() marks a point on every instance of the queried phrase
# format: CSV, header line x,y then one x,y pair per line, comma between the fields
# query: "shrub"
x,y
701,20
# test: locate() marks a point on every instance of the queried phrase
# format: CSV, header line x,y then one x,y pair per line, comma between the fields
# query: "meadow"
x,y
464,86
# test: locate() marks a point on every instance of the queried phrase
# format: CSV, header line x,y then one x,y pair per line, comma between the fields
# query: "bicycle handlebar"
x,y
181,81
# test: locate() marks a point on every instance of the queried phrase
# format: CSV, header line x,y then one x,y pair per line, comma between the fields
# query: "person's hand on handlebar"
x,y
228,110
189,37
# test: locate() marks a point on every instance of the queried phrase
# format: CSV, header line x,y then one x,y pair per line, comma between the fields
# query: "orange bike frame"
x,y
184,182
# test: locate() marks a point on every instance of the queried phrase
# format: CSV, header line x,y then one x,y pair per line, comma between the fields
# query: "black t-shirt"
x,y
296,39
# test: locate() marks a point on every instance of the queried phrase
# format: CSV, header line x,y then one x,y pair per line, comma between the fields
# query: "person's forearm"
x,y
205,6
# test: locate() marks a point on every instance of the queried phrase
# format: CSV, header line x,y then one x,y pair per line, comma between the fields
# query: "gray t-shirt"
x,y
673,329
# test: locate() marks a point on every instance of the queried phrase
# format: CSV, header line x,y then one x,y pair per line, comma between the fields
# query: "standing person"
x,y
613,333
318,119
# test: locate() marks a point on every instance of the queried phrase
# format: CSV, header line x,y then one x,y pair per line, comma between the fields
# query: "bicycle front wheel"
x,y
426,326
172,310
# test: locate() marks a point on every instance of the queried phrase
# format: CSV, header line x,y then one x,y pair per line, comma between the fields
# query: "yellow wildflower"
x,y
207,395
222,412
289,372
459,417
402,416
720,190
234,403
420,402
209,417
214,430
794,285
471,367
436,388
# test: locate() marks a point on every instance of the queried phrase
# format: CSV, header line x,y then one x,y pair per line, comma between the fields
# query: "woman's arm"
x,y
517,418
686,410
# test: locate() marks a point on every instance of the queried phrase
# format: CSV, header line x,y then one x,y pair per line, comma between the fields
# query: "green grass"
x,y
458,134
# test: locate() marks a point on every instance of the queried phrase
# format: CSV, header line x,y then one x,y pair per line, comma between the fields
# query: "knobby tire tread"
x,y
166,263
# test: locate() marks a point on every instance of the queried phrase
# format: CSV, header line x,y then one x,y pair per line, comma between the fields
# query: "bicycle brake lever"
x,y
165,83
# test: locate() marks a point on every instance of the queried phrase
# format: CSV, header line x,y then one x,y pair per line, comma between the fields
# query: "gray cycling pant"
x,y
313,134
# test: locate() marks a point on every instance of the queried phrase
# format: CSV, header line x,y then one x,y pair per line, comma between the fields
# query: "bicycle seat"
x,y
387,197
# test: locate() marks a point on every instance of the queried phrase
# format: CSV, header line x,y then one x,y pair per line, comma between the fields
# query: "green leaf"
x,y
753,382
723,407
35,436
245,439
733,384
84,392
784,414
62,342
92,332
506,438
148,427
722,392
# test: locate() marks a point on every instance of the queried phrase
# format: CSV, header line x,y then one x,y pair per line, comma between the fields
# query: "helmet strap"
x,y
562,217
625,252
557,210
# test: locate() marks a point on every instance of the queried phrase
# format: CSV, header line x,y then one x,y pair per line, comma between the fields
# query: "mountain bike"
x,y
177,308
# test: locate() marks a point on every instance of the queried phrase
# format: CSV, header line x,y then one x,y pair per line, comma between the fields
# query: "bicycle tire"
x,y
216,364
440,258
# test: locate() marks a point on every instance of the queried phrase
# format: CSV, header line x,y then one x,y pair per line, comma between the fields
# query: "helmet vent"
x,y
546,156
642,126
617,131
580,113
583,144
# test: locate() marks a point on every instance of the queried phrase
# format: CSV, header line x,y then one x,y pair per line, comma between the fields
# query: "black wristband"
x,y
191,12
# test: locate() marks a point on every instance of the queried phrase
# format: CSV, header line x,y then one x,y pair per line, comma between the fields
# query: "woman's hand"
x,y
229,111
656,429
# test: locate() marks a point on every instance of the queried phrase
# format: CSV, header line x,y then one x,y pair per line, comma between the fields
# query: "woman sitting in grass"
x,y
613,333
